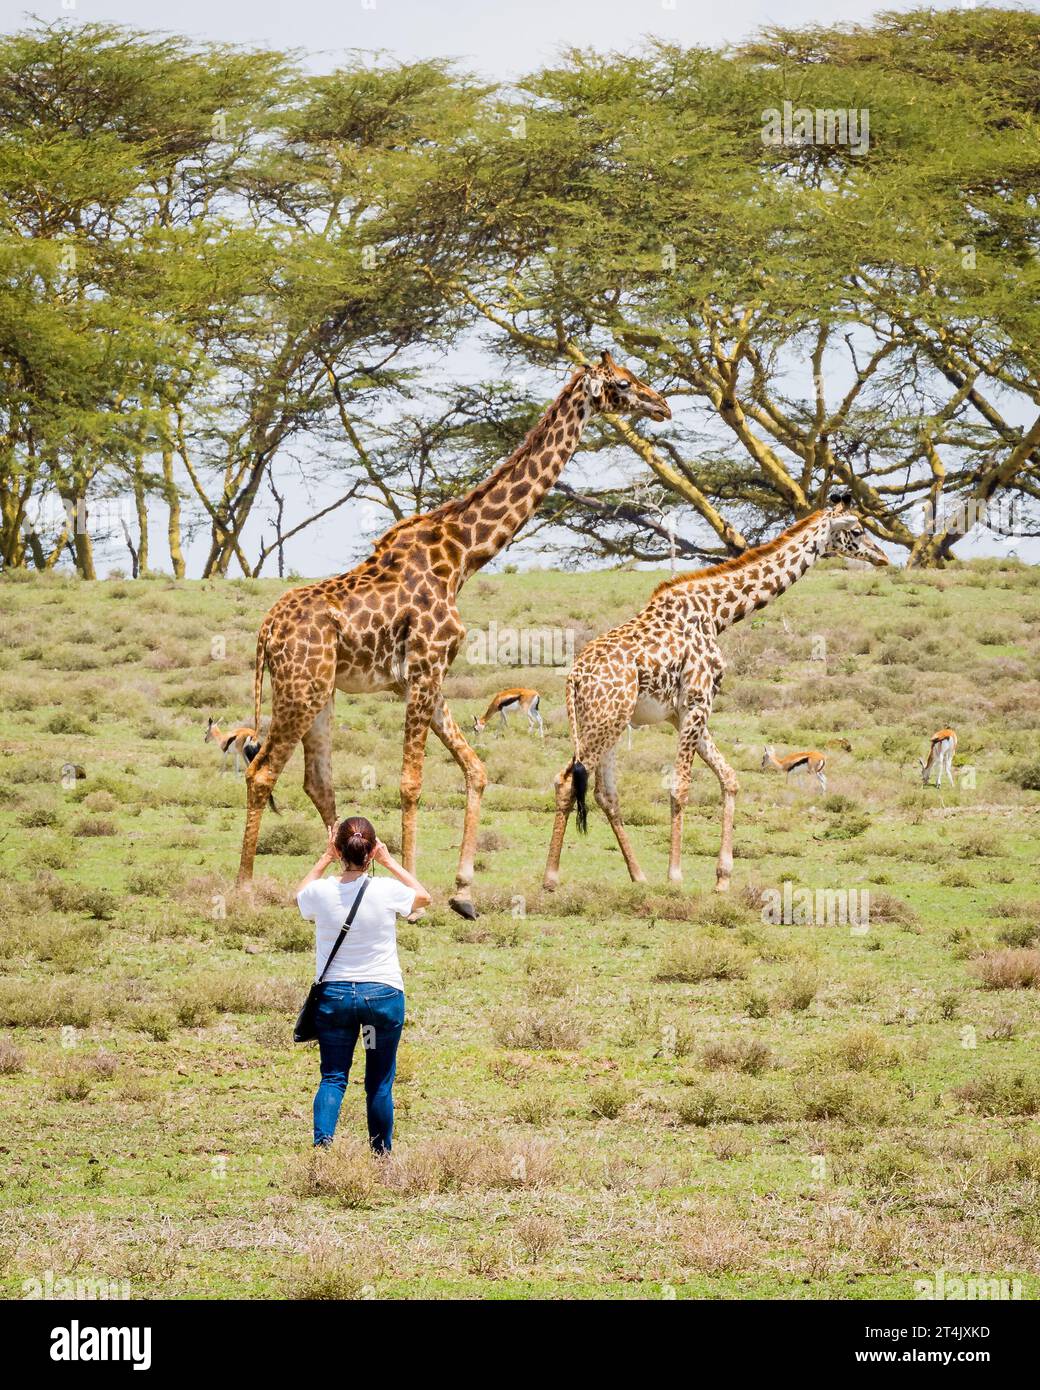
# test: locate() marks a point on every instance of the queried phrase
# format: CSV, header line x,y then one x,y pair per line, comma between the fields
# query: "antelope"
x,y
243,742
940,757
515,698
809,761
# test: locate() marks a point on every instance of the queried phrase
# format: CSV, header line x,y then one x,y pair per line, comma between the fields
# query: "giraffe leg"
x,y
689,733
317,764
728,782
291,719
447,730
261,775
564,806
608,801
421,702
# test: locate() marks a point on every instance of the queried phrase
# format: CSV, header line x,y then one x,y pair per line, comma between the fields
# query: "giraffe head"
x,y
848,536
616,390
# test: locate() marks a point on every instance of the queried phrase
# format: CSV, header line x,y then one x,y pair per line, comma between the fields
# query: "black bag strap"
x,y
345,927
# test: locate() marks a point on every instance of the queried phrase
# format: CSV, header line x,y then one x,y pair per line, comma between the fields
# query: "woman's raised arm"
x,y
329,857
382,856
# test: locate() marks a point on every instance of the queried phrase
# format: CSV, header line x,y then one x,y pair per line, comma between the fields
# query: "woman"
x,y
363,990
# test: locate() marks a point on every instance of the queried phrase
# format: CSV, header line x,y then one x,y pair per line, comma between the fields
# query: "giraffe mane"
x,y
739,562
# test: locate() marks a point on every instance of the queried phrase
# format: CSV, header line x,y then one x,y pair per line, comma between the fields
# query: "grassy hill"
x,y
617,1091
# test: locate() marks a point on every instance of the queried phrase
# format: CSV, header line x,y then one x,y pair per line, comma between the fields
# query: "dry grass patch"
x,y
1015,968
692,961
748,1055
550,1028
1002,1093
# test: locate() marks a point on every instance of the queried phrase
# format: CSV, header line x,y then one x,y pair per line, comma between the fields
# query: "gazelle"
x,y
241,741
809,761
940,757
516,697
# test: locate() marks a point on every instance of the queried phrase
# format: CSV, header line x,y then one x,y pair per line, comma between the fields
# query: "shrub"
x,y
798,990
692,961
1002,1093
286,839
12,1059
64,723
737,1054
94,826
552,1028
534,1107
608,1099
852,1099
1026,776
1019,934
1015,968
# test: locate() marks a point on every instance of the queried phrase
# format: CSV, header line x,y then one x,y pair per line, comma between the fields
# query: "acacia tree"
x,y
814,301
199,270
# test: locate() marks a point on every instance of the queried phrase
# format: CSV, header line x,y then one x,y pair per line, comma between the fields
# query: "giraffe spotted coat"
x,y
665,665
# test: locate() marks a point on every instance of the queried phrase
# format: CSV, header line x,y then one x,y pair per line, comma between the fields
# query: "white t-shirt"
x,y
369,950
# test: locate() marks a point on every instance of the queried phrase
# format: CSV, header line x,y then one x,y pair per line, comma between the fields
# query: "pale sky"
x,y
495,39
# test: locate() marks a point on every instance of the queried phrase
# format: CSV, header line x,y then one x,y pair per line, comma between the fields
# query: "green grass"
x,y
611,1091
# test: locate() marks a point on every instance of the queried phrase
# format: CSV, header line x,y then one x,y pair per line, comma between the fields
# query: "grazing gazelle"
x,y
940,757
242,741
809,761
515,698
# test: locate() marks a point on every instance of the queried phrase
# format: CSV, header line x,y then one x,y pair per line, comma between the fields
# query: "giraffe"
x,y
391,623
664,665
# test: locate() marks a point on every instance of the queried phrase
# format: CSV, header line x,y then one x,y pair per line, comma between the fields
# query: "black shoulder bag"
x,y
306,1027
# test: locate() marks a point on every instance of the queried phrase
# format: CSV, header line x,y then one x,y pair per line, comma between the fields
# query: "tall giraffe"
x,y
664,665
392,623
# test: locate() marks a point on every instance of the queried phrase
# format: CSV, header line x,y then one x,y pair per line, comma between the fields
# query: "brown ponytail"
x,y
355,841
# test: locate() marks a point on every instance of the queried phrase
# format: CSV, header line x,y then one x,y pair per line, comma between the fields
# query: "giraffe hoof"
x,y
464,908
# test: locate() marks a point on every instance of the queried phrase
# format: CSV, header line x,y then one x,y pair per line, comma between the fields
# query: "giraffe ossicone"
x,y
392,622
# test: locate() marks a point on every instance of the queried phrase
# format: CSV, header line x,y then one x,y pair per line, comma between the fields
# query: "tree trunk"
x,y
141,504
173,523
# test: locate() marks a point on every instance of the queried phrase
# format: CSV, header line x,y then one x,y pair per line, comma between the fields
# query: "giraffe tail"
x,y
258,675
580,782
579,772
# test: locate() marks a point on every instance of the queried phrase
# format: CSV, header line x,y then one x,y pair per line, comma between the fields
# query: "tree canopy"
x,y
222,276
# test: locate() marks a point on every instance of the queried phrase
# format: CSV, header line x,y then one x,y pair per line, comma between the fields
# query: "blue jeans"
x,y
346,1008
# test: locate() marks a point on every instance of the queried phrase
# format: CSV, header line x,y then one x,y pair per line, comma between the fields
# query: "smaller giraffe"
x,y
809,761
516,697
940,757
664,665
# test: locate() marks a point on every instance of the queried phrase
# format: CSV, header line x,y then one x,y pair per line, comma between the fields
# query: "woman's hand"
x,y
381,855
331,852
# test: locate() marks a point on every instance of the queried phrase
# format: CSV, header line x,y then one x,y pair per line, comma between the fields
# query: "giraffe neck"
x,y
766,572
735,588
489,517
